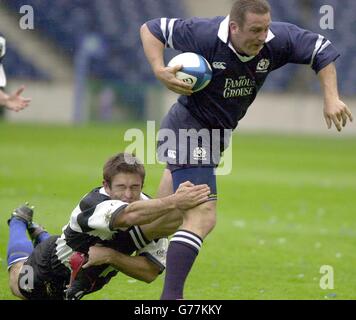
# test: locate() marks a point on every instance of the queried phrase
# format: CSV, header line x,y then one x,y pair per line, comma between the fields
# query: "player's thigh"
x,y
166,184
169,223
14,274
196,175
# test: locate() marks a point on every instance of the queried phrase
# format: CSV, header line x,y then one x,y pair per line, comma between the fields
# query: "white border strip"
x,y
134,239
164,28
187,234
179,239
170,33
317,47
140,236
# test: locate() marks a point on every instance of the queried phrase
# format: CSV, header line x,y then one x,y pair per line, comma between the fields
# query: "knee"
x,y
208,220
201,219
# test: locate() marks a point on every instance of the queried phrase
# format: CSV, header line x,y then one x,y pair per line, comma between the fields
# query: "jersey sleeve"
x,y
2,54
156,252
304,47
190,35
101,217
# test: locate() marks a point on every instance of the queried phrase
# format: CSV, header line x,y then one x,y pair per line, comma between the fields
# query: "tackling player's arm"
x,y
14,101
154,49
138,267
335,111
142,212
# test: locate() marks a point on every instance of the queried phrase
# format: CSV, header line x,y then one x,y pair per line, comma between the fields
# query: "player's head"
x,y
124,176
249,25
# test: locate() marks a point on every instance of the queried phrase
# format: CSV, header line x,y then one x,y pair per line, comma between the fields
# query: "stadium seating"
x,y
118,21
17,66
342,36
307,14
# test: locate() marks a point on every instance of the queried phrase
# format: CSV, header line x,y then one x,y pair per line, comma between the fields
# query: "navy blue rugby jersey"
x,y
236,78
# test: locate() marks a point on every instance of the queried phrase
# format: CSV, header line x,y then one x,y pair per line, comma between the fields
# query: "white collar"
x,y
102,191
223,35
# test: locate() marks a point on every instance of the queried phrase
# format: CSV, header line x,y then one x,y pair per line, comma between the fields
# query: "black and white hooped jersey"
x,y
237,79
91,222
2,54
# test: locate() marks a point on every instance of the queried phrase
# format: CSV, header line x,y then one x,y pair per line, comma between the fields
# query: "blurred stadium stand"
x,y
19,67
342,36
118,22
306,14
121,79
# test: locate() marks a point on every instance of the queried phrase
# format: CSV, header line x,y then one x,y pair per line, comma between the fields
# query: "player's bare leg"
x,y
201,219
14,273
166,184
169,223
195,224
185,246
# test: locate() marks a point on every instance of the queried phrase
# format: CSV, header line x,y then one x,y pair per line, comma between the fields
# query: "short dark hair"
x,y
123,163
241,7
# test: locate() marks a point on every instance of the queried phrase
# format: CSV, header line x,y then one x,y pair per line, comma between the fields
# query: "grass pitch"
x,y
287,209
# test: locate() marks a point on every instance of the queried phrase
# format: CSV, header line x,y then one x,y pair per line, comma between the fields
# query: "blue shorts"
x,y
191,151
196,175
184,142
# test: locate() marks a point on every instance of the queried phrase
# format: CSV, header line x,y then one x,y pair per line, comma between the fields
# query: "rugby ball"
x,y
196,70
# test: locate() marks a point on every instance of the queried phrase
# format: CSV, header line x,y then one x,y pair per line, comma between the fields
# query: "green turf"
x,y
287,208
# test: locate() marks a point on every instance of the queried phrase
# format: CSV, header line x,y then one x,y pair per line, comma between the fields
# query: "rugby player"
x,y
242,48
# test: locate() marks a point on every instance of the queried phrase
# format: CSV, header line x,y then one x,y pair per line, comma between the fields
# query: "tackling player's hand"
x,y
167,75
189,195
336,112
98,255
16,102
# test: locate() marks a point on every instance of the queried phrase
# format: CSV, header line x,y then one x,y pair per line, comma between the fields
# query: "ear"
x,y
106,187
233,26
